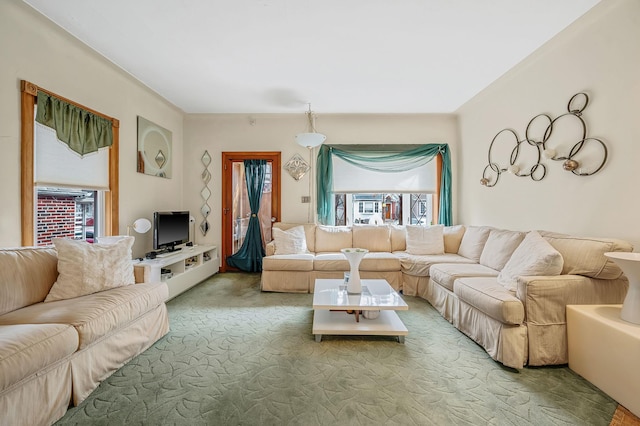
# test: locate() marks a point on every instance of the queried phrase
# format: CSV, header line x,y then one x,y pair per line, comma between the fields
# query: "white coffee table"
x,y
331,301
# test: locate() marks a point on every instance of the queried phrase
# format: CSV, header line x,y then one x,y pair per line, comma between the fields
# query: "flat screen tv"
x,y
170,229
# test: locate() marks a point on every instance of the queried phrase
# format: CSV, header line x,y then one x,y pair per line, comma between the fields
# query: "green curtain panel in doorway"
x,y
249,257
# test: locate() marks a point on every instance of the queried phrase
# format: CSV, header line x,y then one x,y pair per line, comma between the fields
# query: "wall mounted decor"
x,y
205,193
544,148
154,149
297,167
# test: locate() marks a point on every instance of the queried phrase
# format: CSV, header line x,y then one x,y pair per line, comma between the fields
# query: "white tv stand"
x,y
187,267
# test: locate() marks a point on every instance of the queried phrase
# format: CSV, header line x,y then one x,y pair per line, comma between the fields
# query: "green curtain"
x,y
249,257
381,158
82,130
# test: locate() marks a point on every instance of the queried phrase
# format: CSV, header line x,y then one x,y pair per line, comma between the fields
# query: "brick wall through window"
x,y
55,218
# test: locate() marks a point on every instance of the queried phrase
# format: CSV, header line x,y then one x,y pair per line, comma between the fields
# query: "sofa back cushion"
x,y
398,237
473,242
585,256
309,232
425,239
499,247
372,237
452,238
333,238
26,276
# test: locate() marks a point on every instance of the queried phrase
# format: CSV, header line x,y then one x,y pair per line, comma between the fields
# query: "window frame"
x,y
28,100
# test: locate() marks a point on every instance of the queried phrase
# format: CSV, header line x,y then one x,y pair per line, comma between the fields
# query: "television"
x,y
169,230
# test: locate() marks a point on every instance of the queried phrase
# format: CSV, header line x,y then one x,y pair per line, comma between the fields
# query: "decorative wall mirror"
x,y
154,149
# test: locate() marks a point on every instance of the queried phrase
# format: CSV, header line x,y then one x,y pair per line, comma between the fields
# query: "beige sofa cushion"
x,y
585,256
533,257
425,239
499,247
489,297
26,349
418,265
94,315
372,261
26,276
333,238
398,237
473,242
371,237
452,238
445,274
288,262
309,231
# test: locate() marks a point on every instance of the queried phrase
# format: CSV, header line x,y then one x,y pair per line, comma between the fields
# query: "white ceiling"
x,y
343,56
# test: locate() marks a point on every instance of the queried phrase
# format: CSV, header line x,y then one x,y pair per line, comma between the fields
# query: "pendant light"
x,y
311,139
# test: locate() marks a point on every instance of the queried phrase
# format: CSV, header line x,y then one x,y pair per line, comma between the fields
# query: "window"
x,y
415,209
94,211
407,169
65,213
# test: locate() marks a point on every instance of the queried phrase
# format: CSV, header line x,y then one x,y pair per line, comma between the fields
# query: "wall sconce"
x,y
492,171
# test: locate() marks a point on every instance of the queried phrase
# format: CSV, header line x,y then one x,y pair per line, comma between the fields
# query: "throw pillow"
x,y
534,256
425,240
85,268
291,241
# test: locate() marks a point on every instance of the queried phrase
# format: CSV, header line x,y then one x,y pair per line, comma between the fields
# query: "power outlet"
x,y
305,199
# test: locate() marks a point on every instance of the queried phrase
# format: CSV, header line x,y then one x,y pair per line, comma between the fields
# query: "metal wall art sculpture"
x,y
537,172
297,167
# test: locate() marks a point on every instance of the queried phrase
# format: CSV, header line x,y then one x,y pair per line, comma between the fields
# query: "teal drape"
x,y
82,130
249,257
381,158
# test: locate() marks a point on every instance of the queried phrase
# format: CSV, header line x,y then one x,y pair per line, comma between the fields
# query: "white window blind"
x,y
58,166
348,178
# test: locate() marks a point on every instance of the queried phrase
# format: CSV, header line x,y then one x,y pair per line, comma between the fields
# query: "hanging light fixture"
x,y
311,139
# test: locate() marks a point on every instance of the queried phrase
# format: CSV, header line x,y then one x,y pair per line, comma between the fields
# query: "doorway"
x,y
235,201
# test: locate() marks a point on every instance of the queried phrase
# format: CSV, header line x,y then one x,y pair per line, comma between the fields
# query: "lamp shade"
x,y
141,226
310,140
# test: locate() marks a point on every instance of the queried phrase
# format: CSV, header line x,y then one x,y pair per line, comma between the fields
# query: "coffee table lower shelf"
x,y
341,323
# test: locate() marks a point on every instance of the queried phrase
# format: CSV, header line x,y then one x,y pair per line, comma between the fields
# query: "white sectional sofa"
x,y
506,290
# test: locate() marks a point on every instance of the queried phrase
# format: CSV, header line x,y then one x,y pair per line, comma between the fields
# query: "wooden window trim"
x,y
28,100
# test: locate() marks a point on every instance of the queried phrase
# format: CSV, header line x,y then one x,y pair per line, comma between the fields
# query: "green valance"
x,y
381,158
82,130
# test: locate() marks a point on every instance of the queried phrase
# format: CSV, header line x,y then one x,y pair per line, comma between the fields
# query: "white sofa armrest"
x,y
545,297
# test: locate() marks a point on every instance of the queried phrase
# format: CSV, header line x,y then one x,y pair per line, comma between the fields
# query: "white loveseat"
x,y
522,323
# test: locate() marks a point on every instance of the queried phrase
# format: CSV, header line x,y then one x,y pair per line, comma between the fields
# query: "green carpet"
x,y
237,356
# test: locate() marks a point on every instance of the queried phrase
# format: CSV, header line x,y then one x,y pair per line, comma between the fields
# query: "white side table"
x,y
630,265
605,350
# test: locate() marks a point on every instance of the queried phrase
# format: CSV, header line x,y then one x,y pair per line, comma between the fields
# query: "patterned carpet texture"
x,y
238,356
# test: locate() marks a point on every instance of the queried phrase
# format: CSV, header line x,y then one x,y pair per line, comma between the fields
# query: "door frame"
x,y
228,158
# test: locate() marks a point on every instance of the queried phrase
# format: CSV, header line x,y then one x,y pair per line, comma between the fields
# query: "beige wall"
x,y
34,49
599,54
219,133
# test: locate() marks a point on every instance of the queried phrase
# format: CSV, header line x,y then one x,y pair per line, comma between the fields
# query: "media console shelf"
x,y
184,269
